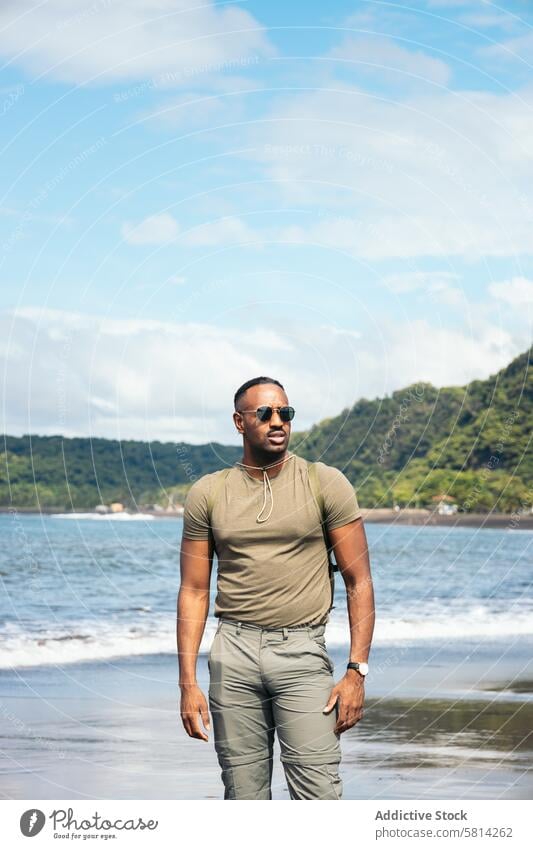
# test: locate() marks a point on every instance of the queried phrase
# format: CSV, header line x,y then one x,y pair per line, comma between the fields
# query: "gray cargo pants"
x,y
263,679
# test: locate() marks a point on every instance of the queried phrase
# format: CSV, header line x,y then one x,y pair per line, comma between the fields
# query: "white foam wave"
x,y
104,641
90,643
474,624
108,517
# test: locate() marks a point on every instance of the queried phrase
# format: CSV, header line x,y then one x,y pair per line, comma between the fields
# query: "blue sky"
x,y
337,195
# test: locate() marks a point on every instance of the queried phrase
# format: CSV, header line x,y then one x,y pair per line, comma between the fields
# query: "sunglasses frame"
x,y
268,407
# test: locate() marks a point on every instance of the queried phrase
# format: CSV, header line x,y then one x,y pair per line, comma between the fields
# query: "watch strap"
x,y
354,665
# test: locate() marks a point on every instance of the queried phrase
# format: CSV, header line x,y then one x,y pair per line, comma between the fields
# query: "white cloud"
x,y
517,291
191,111
225,231
450,295
511,49
135,378
488,20
367,236
163,228
121,378
411,280
104,41
440,175
423,350
154,230
449,3
436,285
403,236
384,56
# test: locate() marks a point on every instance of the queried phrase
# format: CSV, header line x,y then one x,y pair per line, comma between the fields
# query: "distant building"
x,y
101,508
447,509
173,508
445,505
116,507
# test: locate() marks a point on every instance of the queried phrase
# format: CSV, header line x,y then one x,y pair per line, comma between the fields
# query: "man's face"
x,y
271,436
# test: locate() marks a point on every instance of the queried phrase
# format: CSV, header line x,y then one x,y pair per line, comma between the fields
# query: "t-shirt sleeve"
x,y
195,512
340,501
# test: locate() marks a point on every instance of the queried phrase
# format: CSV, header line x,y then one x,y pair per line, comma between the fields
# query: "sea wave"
x,y
98,641
87,642
121,517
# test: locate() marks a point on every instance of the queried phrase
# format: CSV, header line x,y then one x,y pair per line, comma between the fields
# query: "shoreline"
x,y
112,730
378,515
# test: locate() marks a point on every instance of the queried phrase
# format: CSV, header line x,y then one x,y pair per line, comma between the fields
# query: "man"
x,y
268,663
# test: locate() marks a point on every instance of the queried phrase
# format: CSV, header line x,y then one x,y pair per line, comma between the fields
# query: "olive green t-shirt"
x,y
273,573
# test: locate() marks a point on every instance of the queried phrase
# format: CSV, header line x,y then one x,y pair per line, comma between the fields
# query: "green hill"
x,y
75,474
470,443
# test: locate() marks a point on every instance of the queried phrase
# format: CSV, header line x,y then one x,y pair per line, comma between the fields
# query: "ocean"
x,y
89,701
77,588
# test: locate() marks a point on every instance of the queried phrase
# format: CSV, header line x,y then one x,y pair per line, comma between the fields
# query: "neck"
x,y
262,459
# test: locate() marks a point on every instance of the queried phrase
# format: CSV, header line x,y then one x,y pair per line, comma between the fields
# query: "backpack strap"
x,y
319,498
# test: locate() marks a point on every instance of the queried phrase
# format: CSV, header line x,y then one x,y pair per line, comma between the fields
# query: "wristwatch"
x,y
362,668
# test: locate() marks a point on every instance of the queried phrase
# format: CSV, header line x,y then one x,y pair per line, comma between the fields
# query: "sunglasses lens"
x,y
264,413
286,414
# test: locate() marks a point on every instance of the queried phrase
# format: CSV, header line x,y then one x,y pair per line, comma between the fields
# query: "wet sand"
x,y
112,730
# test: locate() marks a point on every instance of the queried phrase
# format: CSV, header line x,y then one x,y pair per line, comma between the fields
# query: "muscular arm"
x,y
351,553
196,561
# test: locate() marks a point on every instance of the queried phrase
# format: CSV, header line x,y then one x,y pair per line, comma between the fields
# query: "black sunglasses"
x,y
264,414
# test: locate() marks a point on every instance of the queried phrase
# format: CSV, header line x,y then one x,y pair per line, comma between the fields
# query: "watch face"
x,y
363,668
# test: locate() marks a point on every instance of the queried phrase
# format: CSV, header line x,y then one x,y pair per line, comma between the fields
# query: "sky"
x,y
335,195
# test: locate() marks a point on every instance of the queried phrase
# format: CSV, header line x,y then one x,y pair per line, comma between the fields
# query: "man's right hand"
x,y
193,705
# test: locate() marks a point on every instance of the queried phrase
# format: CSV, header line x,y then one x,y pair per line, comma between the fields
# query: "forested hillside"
x,y
471,443
52,471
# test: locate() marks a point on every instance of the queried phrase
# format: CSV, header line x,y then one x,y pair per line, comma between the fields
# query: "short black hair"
x,y
253,382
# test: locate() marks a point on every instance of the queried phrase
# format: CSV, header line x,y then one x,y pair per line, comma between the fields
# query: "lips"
x,y
277,438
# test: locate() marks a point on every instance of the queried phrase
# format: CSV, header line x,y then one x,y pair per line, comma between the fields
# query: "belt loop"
x,y
238,628
310,630
285,633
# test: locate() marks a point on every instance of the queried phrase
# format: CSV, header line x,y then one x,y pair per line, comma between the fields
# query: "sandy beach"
x,y
379,515
435,726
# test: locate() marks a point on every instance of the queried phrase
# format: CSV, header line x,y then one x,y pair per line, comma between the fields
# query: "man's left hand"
x,y
349,693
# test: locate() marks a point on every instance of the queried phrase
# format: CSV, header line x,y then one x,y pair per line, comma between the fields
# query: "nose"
x,y
276,418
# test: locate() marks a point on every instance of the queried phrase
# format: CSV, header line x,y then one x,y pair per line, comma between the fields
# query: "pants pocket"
x,y
211,647
336,780
313,781
320,642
